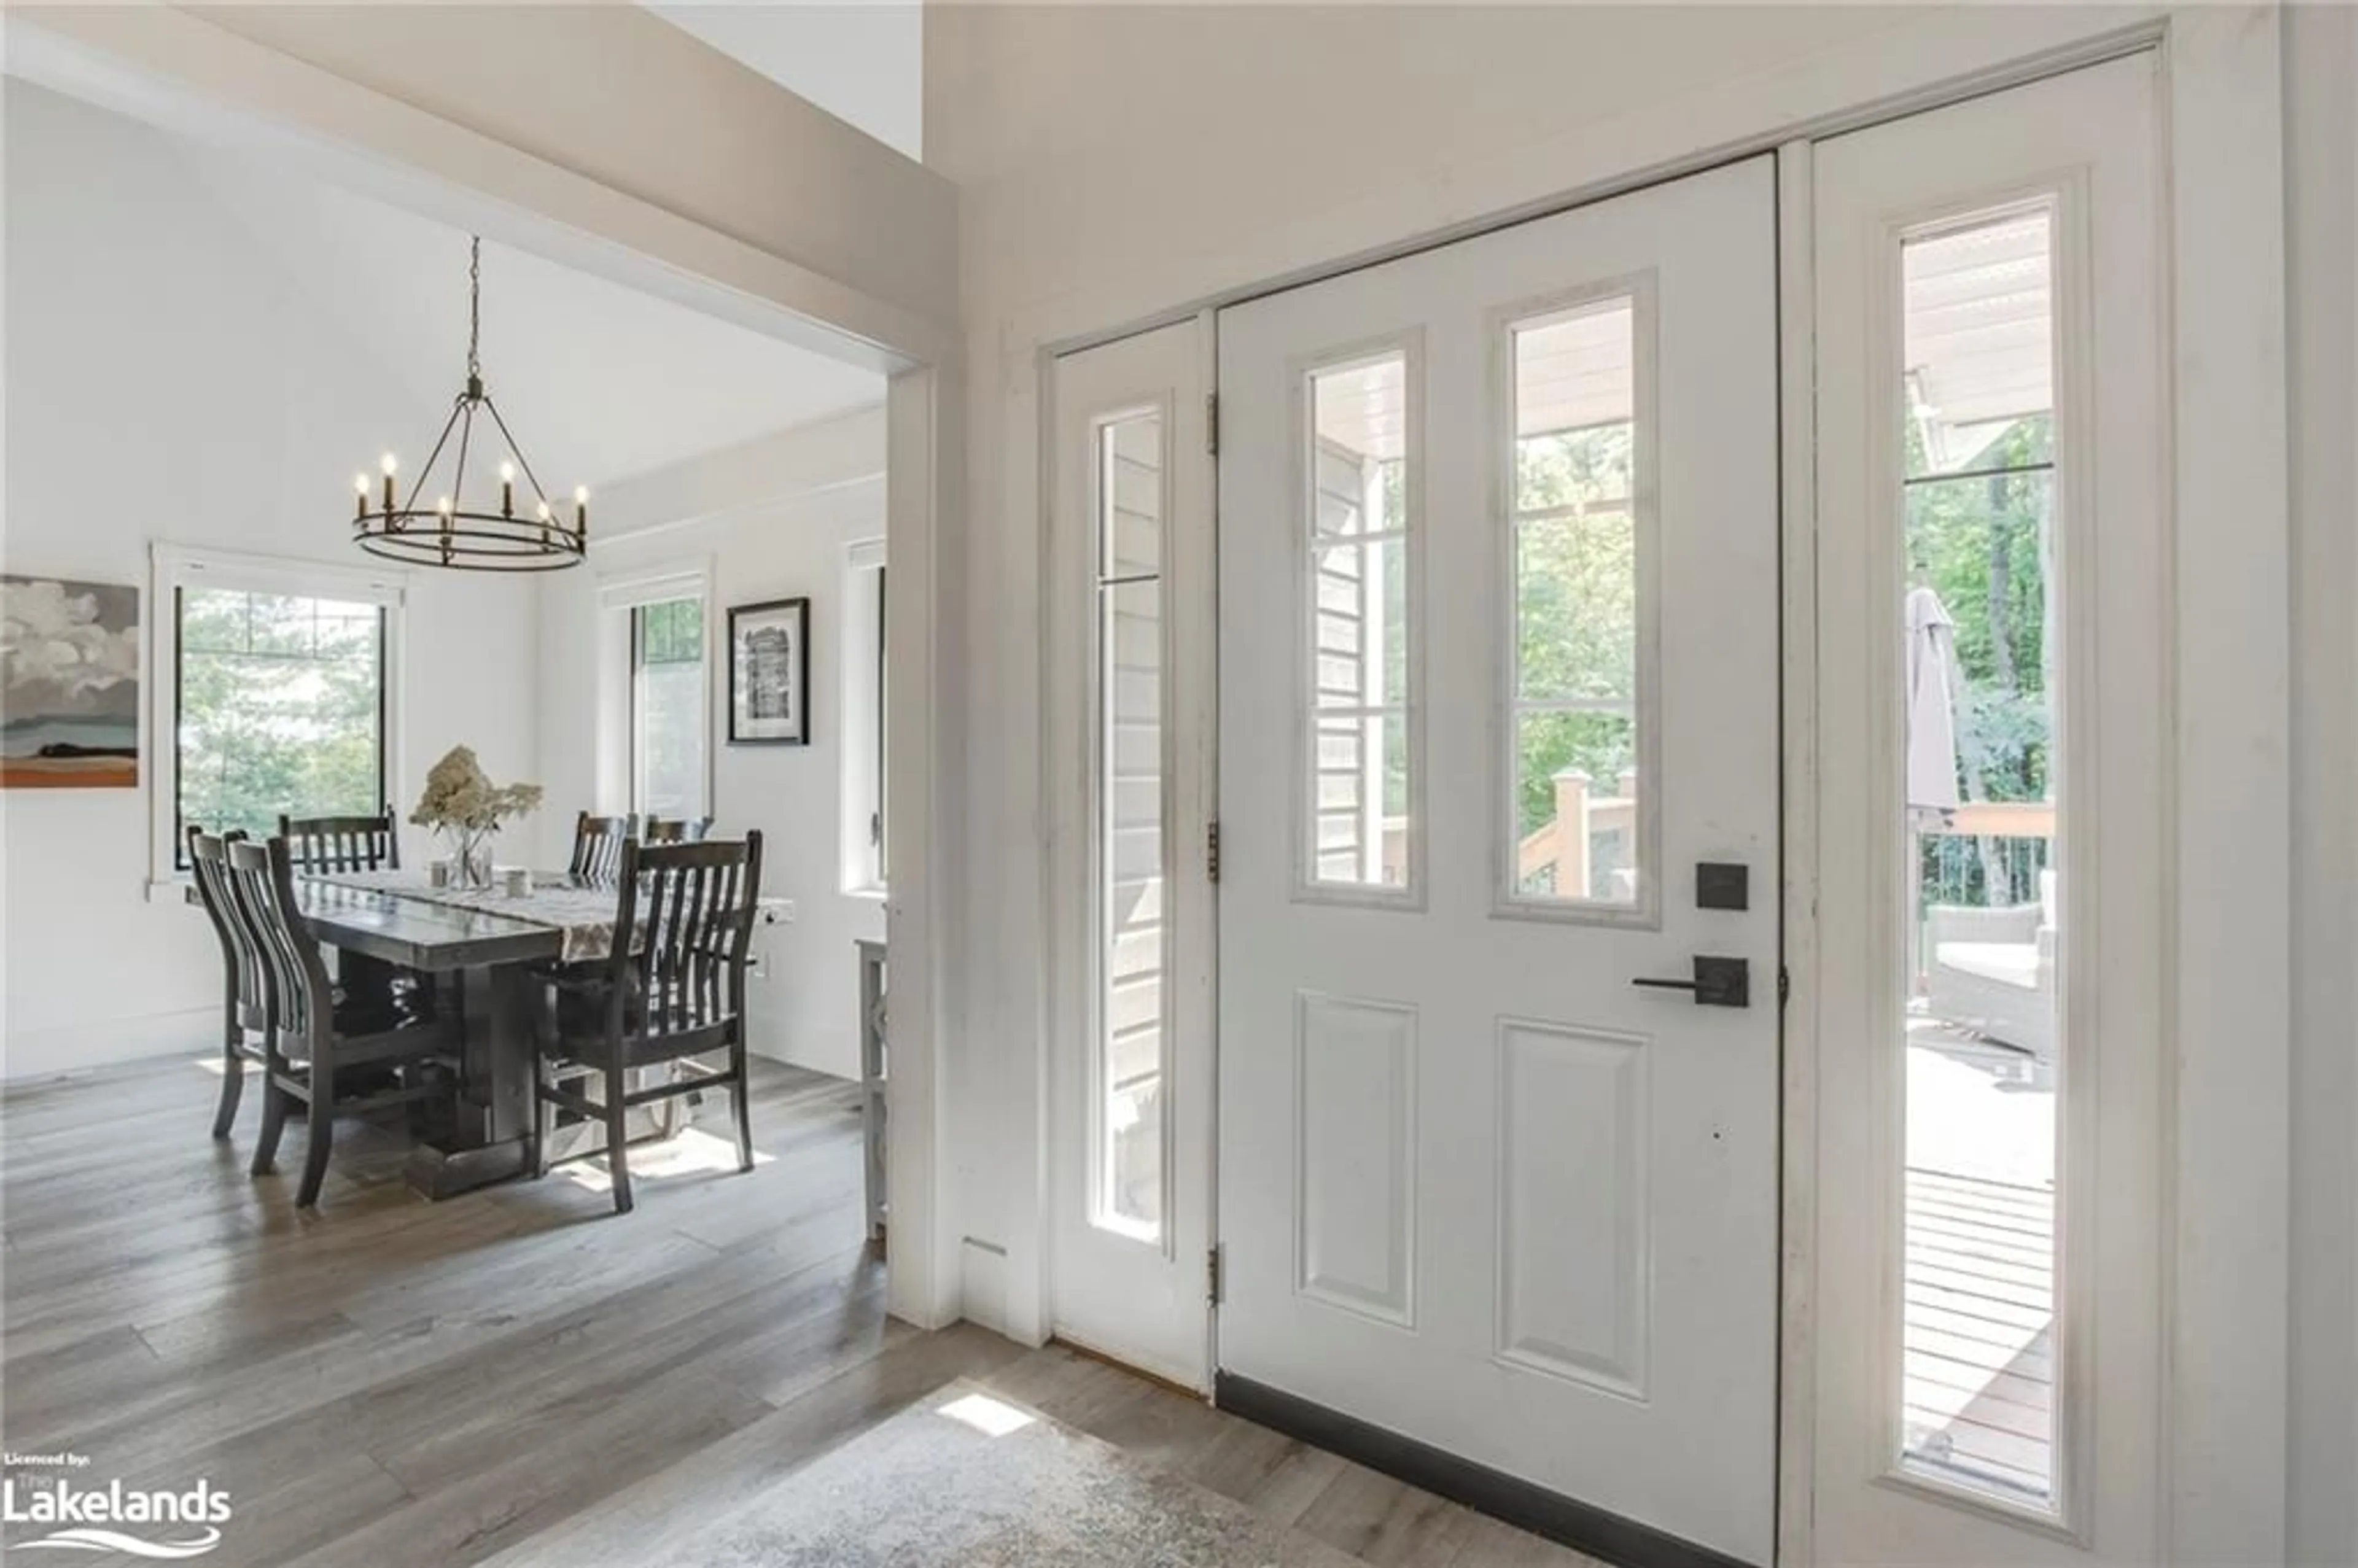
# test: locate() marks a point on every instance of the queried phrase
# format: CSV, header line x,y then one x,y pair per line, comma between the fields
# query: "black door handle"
x,y
1718,982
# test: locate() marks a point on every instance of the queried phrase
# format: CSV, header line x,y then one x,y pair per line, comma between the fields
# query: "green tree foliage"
x,y
279,709
1576,605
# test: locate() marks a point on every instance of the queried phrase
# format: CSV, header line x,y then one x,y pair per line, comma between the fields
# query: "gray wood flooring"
x,y
518,1377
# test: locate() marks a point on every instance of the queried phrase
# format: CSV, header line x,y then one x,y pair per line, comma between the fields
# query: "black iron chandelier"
x,y
450,532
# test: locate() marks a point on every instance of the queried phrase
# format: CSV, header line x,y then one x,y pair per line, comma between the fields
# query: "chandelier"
x,y
450,530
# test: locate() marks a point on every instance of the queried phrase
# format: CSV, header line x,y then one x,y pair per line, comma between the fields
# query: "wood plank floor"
x,y
518,1377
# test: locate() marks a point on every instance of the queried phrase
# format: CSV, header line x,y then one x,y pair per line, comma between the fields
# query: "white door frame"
x,y
2227,1265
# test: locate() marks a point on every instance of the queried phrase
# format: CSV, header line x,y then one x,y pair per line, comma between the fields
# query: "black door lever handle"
x,y
1718,982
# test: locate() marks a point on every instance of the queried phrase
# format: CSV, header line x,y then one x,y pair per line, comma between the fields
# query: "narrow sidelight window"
x,y
1128,1106
1984,910
1360,769
1579,519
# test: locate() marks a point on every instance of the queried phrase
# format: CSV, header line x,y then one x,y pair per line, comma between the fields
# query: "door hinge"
x,y
1211,423
1212,850
1214,1286
1784,985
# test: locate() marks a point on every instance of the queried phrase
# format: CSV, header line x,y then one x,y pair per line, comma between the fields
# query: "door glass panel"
x,y
1981,902
1362,779
1126,1110
1578,511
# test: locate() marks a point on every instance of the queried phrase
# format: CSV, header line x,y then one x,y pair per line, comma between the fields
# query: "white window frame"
x,y
619,595
172,567
1308,886
863,858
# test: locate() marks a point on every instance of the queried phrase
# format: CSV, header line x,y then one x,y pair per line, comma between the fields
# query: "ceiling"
x,y
860,61
597,381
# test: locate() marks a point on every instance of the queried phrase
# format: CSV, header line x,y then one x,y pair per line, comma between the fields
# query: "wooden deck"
x,y
1979,1312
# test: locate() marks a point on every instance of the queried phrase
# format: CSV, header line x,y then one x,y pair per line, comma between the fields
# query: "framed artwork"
x,y
769,673
68,684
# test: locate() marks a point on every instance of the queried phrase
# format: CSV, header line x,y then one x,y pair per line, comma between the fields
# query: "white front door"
x,y
1993,770
1498,745
1130,730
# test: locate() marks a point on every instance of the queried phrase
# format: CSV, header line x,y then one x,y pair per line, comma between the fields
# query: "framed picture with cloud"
x,y
769,673
68,684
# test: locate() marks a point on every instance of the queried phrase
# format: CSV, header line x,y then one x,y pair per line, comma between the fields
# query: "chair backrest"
x,y
261,884
598,844
675,830
241,962
343,843
682,932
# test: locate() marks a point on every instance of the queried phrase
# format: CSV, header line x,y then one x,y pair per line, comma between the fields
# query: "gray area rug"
x,y
967,1480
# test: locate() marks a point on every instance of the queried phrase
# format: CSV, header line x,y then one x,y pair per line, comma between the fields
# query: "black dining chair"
x,y
343,843
245,1007
598,846
672,989
312,1051
675,830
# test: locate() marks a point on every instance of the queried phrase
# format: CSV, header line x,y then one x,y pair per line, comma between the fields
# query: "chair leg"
x,y
741,1090
543,1118
233,1085
322,1124
618,1160
274,1120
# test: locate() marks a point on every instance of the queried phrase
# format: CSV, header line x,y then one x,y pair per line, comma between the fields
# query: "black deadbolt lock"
x,y
1723,884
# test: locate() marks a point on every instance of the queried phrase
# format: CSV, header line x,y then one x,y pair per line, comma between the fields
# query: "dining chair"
x,y
312,1050
245,1010
672,989
675,830
598,844
343,843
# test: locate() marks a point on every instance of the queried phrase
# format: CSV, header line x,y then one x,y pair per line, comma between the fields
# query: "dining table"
x,y
481,948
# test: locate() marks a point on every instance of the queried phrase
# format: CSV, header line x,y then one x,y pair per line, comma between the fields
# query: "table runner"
x,y
582,914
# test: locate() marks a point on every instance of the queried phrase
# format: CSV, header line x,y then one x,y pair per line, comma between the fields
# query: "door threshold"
x,y
1607,1536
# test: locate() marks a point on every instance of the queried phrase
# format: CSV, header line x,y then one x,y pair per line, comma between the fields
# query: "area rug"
x,y
968,1479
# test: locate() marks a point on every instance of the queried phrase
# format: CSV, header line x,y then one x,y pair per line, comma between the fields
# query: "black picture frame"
x,y
769,669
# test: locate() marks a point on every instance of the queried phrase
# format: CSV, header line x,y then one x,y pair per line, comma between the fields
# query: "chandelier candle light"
x,y
450,532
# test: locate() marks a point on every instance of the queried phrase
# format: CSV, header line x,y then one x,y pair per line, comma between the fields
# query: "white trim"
x,y
1797,372
655,585
1302,526
171,566
2227,1103
864,555
861,870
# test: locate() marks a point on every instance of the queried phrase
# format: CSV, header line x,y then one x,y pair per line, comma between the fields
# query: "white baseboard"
x,y
29,1053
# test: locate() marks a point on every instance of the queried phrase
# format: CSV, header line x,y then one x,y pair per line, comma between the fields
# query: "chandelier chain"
x,y
474,306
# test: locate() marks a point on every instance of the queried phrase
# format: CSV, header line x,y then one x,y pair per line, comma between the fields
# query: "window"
x,y
668,711
1578,527
1361,771
864,835
1984,917
274,690
1133,936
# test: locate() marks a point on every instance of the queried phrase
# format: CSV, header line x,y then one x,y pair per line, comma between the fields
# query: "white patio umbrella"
x,y
1933,686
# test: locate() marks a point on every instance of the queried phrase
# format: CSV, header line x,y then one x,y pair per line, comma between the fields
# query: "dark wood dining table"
x,y
480,963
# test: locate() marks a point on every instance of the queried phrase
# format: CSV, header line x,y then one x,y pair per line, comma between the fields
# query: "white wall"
x,y
2322,196
169,379
772,520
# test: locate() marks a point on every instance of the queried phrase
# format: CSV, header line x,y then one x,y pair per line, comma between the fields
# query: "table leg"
x,y
493,1139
